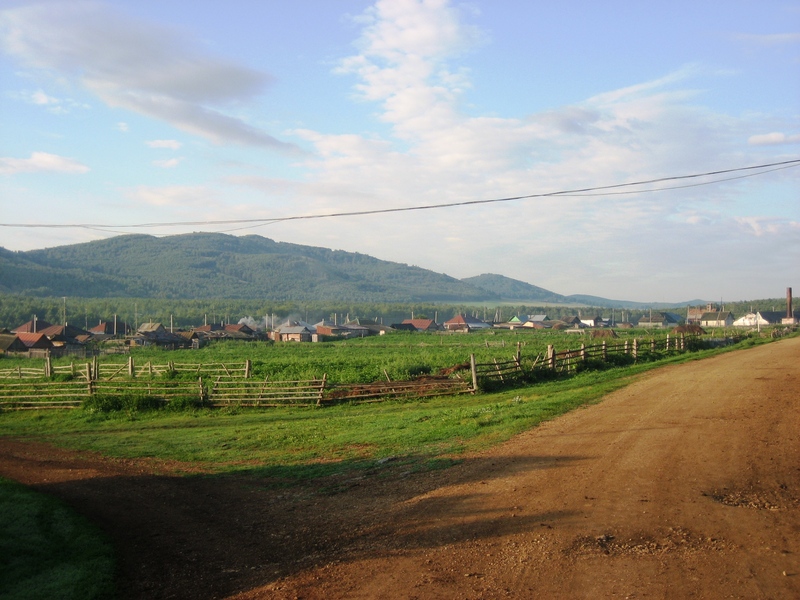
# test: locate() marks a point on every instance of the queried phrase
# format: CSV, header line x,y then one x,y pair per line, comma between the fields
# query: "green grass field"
x,y
48,551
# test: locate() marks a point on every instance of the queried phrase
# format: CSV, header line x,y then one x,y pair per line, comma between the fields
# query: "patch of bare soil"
x,y
684,484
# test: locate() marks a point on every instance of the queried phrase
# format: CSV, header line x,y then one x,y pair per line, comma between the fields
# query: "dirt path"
x,y
685,484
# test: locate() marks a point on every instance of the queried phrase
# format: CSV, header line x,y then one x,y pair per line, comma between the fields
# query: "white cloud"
x,y
42,99
770,39
143,67
41,162
773,139
176,196
123,127
169,163
170,144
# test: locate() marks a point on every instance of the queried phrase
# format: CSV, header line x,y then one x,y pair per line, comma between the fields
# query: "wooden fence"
x,y
73,394
97,371
43,395
223,392
266,393
231,385
501,372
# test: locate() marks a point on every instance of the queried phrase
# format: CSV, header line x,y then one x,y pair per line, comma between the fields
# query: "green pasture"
x,y
399,356
48,551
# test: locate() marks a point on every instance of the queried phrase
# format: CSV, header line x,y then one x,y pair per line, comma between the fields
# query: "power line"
x,y
588,191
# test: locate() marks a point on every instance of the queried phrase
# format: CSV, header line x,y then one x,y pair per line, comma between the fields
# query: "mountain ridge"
x,y
212,265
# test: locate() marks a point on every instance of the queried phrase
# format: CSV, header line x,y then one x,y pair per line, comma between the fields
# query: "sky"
x,y
164,118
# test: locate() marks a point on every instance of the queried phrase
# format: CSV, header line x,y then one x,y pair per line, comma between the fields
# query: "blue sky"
x,y
180,115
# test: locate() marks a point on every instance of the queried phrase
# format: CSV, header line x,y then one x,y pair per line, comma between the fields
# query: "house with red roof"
x,y
465,323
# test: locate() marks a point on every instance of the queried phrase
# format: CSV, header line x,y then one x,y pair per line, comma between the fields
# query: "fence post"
x,y
322,388
583,352
551,356
518,358
202,391
635,348
653,345
667,342
626,346
474,370
48,366
683,342
131,368
248,368
605,351
88,371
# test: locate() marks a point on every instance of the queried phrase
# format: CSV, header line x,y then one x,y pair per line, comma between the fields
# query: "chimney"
x,y
789,313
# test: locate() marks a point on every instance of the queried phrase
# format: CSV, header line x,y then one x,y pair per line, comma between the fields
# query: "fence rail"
x,y
397,390
43,394
231,385
266,393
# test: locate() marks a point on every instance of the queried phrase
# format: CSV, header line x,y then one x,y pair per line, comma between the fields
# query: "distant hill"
x,y
208,265
606,303
214,265
514,290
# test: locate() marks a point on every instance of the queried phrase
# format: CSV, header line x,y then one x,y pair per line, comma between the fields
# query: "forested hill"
x,y
513,289
207,265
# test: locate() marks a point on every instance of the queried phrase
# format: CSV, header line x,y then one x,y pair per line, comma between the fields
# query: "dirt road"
x,y
685,484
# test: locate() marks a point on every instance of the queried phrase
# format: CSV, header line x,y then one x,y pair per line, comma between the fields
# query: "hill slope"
x,y
207,265
513,289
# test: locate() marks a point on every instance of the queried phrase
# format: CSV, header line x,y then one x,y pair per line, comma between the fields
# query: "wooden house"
x,y
717,319
33,326
297,333
11,344
35,341
110,328
465,323
660,319
423,324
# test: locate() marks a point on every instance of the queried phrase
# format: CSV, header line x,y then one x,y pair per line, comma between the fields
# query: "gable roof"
x,y
422,324
465,320
32,326
35,340
716,316
107,327
11,343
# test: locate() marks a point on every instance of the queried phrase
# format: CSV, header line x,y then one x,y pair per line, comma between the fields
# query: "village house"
x,y
717,319
110,328
761,318
11,344
594,322
422,324
537,322
660,319
295,333
33,326
465,323
573,322
155,334
35,341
